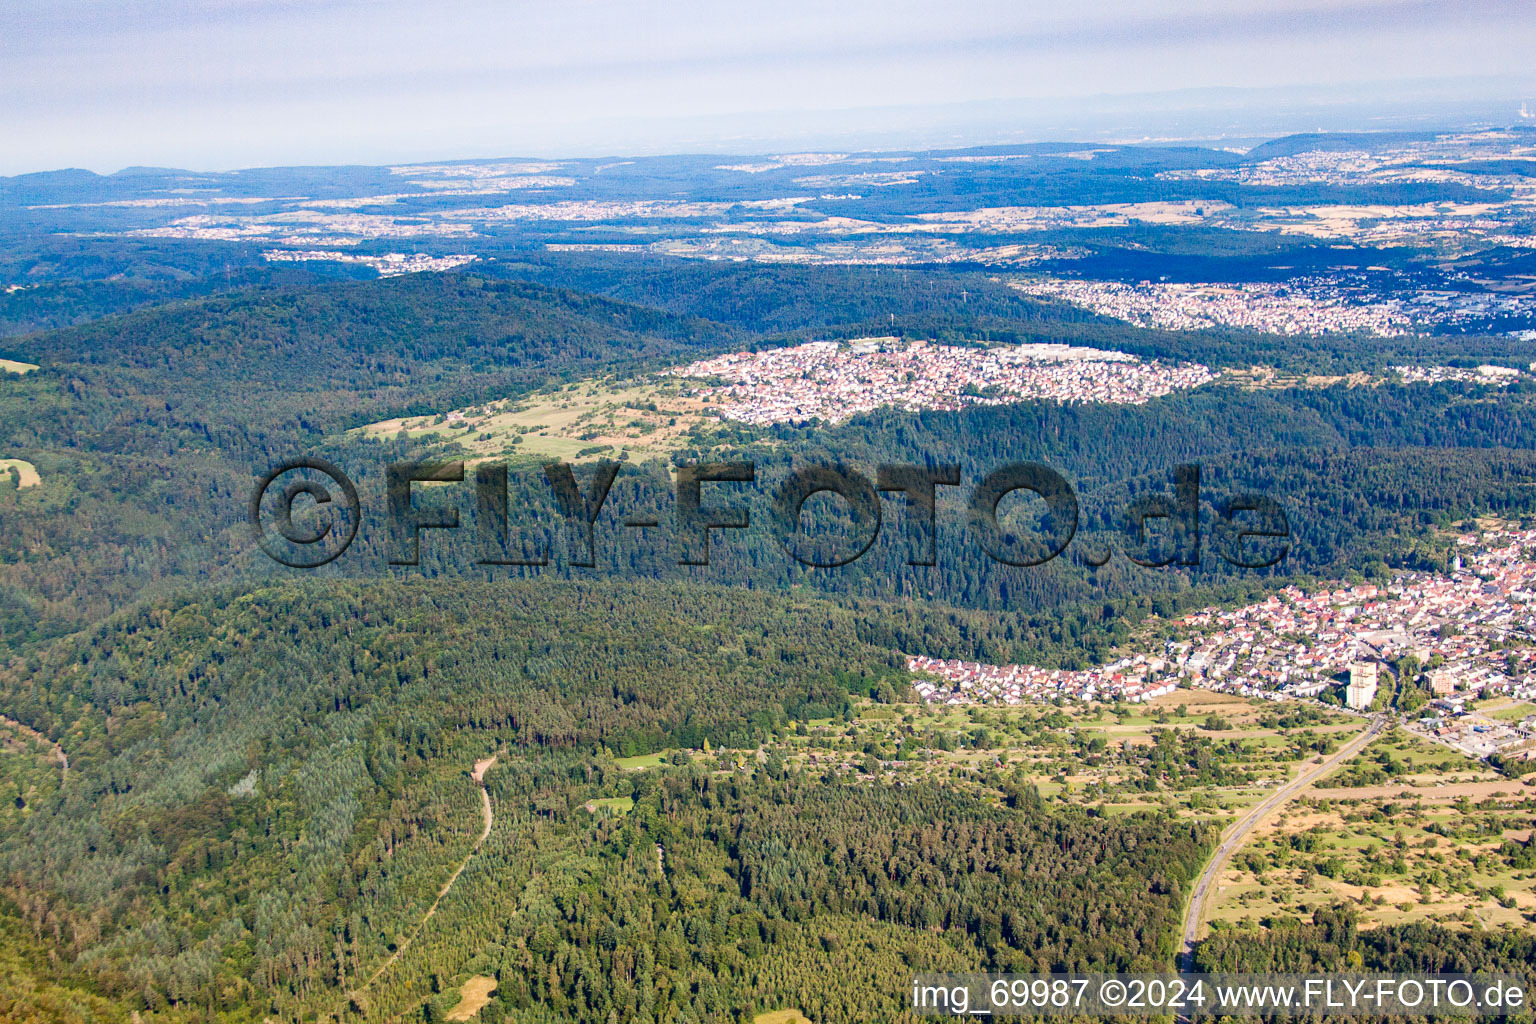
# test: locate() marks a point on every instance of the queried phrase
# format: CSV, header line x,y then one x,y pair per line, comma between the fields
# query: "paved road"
x,y
1237,835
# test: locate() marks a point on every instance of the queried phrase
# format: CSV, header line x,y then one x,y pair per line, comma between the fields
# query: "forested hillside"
x,y
149,429
969,305
266,788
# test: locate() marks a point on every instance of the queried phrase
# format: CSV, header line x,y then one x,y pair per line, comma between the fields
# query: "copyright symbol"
x,y
1113,993
297,516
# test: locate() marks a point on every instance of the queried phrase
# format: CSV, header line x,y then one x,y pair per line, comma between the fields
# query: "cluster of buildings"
x,y
1487,203
1457,625
388,265
1471,631
1467,309
831,249
1418,162
498,176
304,226
831,381
587,210
1500,375
1300,306
1333,167
1311,305
1441,161
1089,215
1477,735
1136,678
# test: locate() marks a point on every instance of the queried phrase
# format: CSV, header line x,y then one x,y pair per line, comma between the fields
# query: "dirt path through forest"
x,y
481,767
58,751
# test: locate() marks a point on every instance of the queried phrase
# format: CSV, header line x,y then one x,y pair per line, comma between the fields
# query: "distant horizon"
x,y
1350,113
234,84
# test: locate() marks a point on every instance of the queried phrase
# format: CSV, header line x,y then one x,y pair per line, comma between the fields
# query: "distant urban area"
x,y
1301,305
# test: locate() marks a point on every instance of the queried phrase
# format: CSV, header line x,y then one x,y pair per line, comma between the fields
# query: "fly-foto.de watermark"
x,y
1315,996
306,512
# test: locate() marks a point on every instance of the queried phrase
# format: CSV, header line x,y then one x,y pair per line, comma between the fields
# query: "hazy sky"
x,y
231,83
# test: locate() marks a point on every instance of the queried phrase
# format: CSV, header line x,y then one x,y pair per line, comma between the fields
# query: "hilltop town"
x,y
832,381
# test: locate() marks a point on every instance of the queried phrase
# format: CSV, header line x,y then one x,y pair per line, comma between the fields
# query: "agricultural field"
x,y
1444,839
12,366
1267,378
641,762
587,419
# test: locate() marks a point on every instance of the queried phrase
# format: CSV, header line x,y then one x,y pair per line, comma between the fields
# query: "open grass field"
x,y
12,366
1513,711
781,1017
26,473
588,419
641,761
1402,759
473,995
